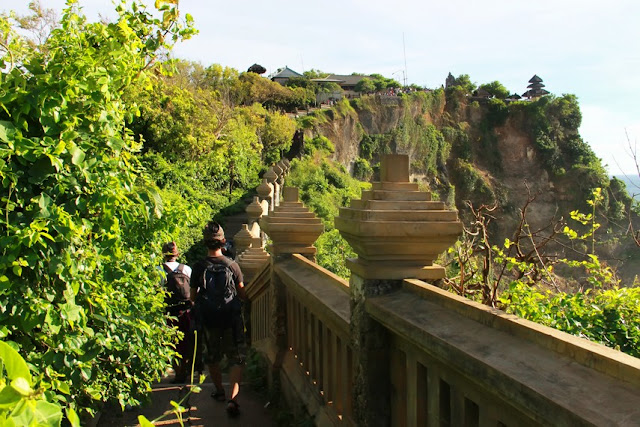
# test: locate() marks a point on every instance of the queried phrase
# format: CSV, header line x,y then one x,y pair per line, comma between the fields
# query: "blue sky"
x,y
588,48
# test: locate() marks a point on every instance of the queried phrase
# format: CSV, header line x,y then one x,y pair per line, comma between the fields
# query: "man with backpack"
x,y
177,284
217,290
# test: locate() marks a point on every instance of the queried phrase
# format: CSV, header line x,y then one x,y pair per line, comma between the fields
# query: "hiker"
x,y
176,280
217,291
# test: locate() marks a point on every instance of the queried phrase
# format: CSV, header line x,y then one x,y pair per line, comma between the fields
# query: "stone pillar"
x,y
397,232
272,178
265,191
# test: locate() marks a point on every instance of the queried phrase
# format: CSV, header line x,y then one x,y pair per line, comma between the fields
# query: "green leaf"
x,y
48,414
14,363
144,422
9,397
22,386
73,418
5,129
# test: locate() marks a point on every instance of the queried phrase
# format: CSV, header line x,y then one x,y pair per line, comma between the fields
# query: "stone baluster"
x,y
265,191
278,182
272,178
397,232
281,173
284,166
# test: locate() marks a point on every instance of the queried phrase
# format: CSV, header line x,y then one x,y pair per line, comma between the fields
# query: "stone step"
x,y
395,195
395,186
397,205
399,215
390,229
292,214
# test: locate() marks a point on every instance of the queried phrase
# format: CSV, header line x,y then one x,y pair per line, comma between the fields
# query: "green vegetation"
x,y
496,89
610,317
376,83
81,219
325,187
520,277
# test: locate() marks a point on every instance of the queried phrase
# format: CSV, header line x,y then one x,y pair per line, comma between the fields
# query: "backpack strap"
x,y
167,269
180,268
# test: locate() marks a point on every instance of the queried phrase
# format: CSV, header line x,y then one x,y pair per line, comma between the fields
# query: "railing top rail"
x,y
324,293
539,381
593,355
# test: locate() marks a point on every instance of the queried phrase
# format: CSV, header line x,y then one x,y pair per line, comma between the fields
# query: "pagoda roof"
x,y
535,92
535,79
536,85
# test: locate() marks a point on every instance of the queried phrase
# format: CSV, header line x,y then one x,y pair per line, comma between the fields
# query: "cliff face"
x,y
481,151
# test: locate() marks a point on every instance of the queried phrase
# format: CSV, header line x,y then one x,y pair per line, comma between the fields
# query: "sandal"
x,y
233,409
218,396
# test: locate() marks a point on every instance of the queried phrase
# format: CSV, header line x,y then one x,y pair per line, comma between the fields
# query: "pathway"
x,y
204,410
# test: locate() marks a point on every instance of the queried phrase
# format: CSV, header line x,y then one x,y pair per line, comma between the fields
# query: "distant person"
x,y
177,283
217,290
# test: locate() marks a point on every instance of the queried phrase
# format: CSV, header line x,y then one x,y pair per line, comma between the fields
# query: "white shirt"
x,y
173,265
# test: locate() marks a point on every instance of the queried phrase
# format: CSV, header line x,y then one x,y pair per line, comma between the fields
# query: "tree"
x,y
365,86
80,218
464,81
495,88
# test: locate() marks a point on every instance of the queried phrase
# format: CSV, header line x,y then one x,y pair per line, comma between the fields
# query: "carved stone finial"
x,y
277,169
271,176
396,230
254,210
242,239
265,189
291,226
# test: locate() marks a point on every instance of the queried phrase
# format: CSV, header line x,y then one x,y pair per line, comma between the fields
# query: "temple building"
x,y
536,88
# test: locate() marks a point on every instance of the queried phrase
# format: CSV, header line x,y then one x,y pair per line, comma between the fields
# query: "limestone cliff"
x,y
480,150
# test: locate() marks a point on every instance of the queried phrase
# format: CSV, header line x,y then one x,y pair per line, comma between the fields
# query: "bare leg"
x,y
216,376
235,377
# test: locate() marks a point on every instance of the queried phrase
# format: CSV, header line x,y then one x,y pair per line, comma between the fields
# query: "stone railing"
x,y
319,361
456,362
391,349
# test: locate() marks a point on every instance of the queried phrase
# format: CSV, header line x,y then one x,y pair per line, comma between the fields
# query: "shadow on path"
x,y
204,410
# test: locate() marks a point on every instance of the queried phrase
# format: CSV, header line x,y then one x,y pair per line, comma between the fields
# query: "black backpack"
x,y
218,296
178,287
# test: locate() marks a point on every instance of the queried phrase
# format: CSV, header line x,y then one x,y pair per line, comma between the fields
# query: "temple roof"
x,y
535,92
535,79
286,73
346,80
536,84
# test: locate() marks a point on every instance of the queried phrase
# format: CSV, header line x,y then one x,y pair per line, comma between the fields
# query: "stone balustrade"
x,y
390,349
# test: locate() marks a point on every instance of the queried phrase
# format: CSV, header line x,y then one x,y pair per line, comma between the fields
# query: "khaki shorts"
x,y
225,342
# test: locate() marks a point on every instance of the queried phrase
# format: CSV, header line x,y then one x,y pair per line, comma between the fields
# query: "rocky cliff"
x,y
478,150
